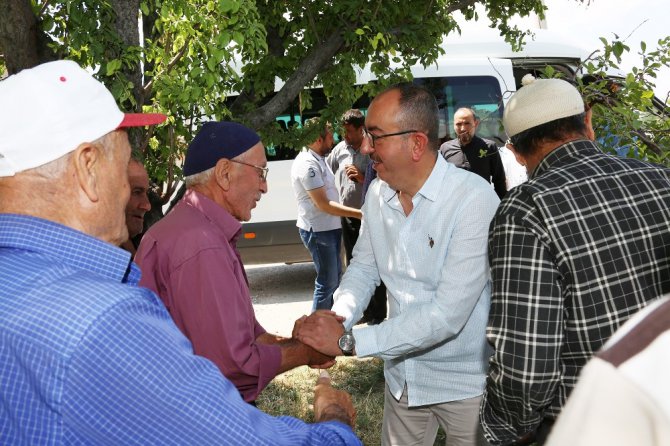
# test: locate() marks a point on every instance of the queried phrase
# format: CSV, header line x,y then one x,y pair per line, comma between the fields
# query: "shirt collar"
x,y
316,155
431,187
68,245
214,213
561,153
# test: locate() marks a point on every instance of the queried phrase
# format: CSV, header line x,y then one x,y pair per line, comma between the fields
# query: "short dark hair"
x,y
353,117
526,142
325,129
418,110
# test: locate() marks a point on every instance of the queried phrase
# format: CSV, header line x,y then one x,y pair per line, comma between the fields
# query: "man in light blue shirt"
x,y
86,356
424,233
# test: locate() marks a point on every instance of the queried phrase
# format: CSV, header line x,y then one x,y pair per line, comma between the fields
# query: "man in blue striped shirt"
x,y
86,356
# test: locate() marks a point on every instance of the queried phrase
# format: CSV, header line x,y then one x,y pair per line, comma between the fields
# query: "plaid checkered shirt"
x,y
574,252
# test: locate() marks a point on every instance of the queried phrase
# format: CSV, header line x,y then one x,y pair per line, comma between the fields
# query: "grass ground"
x,y
292,394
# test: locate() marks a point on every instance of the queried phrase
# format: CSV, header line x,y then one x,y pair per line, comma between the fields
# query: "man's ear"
x,y
87,159
588,121
419,145
519,158
222,172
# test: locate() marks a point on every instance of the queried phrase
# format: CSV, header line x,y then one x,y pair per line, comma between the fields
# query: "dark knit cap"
x,y
217,140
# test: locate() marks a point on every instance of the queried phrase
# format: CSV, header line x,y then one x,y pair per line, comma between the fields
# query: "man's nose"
x,y
366,147
264,187
145,204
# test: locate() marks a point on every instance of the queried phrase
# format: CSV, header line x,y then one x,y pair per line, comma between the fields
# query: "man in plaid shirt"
x,y
574,252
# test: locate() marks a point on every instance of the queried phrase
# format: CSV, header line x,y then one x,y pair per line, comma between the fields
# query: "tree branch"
x,y
170,65
319,57
460,5
648,142
43,8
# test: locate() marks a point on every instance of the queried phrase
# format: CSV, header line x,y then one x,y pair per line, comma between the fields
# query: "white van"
x,y
480,72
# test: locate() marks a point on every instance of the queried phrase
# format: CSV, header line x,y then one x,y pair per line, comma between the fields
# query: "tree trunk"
x,y
126,26
22,42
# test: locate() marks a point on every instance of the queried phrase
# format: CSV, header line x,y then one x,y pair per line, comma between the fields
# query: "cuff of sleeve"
x,y
366,341
270,357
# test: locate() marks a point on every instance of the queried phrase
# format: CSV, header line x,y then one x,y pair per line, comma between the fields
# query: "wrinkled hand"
x,y
331,404
301,319
321,330
296,326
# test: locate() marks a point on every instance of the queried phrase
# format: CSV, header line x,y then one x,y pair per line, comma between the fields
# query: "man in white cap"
x,y
574,252
87,356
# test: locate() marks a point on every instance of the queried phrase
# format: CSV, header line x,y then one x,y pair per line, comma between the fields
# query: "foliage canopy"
x,y
185,57
198,60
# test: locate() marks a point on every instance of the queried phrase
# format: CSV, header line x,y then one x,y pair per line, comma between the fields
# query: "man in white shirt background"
x,y
318,213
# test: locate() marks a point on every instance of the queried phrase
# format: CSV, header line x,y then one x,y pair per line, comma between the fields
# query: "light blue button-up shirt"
x,y
89,358
435,267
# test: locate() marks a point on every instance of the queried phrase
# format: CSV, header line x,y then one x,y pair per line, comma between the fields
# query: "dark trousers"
x,y
350,229
377,307
539,437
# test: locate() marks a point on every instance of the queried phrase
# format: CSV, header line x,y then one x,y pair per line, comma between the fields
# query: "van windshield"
x,y
481,93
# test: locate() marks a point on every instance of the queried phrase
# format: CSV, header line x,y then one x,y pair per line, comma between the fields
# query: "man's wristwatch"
x,y
347,343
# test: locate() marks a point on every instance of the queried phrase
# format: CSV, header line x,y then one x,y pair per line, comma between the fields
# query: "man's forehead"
x,y
464,115
136,168
137,176
382,111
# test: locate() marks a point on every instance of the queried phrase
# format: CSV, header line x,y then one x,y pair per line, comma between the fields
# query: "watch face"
x,y
347,342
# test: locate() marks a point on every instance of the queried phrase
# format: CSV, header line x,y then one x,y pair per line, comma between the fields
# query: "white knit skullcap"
x,y
539,102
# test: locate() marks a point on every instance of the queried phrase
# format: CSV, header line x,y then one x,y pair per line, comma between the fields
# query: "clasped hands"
x,y
320,330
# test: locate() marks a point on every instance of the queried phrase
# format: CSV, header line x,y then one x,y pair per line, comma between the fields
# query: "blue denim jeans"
x,y
324,246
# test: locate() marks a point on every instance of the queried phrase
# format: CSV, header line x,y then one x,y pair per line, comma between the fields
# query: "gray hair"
x,y
418,110
56,168
199,178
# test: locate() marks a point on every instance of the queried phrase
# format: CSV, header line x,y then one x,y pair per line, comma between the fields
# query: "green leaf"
x,y
113,66
617,49
227,5
211,64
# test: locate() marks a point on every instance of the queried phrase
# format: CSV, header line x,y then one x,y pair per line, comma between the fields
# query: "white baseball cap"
x,y
49,110
541,101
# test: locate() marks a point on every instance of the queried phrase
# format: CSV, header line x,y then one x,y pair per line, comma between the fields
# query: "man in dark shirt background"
x,y
469,151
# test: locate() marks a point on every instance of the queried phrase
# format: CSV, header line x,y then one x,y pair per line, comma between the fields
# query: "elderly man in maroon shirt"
x,y
190,260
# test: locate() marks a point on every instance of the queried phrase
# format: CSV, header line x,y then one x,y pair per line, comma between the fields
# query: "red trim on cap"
x,y
141,119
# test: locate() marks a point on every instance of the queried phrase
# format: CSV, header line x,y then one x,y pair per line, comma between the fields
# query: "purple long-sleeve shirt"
x,y
190,260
